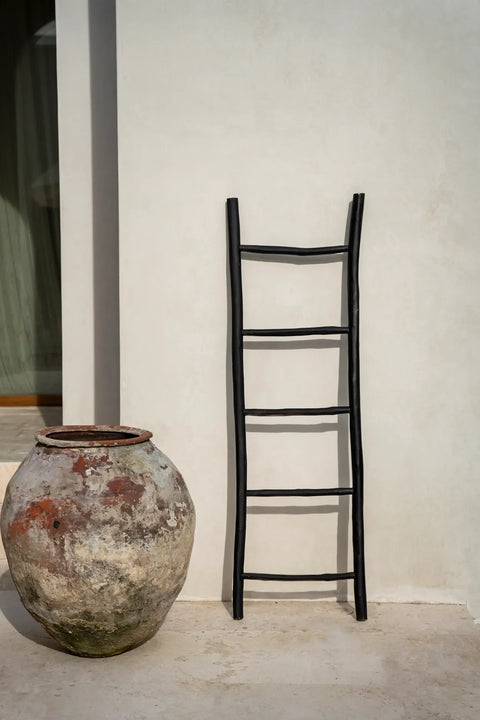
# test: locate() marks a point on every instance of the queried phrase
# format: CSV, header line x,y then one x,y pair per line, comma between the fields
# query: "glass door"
x,y
30,301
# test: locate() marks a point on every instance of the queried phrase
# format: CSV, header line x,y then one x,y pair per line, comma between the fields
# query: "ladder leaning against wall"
x,y
351,249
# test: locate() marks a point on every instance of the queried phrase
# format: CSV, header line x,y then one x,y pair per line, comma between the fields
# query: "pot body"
x,y
98,536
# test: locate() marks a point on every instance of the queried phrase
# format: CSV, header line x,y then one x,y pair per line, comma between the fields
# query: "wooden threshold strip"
x,y
30,400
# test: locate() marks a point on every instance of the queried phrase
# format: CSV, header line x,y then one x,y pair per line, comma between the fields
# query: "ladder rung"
x,y
285,250
285,332
273,576
300,492
261,412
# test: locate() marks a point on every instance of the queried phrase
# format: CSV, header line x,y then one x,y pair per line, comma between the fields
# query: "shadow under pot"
x,y
98,527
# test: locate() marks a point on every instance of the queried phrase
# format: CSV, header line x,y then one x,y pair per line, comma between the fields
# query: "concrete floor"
x,y
285,660
17,436
18,427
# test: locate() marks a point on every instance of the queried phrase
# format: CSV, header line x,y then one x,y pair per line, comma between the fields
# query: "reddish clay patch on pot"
x,y
46,513
86,465
122,491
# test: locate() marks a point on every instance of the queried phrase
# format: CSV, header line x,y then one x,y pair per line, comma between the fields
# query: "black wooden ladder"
x,y
352,409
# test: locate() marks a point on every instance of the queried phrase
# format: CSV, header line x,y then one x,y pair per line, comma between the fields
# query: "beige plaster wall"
x,y
292,107
86,73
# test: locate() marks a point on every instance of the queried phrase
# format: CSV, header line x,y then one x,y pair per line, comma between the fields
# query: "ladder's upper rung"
x,y
285,332
286,250
261,412
275,576
300,492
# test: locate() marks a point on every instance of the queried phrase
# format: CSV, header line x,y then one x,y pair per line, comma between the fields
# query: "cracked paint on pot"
x,y
98,529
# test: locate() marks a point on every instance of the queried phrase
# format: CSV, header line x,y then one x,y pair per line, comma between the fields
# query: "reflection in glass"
x,y
30,309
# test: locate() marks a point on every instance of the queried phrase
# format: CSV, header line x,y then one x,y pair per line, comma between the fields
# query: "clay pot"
x,y
98,529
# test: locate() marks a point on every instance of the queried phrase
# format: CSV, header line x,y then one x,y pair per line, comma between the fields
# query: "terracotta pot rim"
x,y
84,436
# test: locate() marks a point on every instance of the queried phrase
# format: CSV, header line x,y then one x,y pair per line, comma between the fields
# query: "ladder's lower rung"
x,y
288,250
300,492
325,576
264,412
287,332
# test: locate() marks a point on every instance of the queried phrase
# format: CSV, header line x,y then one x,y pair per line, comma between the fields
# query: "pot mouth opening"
x,y
91,436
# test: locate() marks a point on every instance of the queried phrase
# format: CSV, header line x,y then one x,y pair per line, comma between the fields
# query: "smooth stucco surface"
x,y
292,107
87,138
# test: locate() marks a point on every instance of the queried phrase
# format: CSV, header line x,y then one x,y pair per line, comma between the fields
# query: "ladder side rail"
x,y
354,403
238,405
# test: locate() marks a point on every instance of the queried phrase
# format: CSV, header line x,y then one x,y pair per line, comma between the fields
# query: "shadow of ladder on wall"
x,y
236,249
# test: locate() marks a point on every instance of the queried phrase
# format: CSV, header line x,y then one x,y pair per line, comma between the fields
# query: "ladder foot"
x,y
361,610
237,611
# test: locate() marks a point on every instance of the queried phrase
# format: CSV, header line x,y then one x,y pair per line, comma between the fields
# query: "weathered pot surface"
x,y
98,529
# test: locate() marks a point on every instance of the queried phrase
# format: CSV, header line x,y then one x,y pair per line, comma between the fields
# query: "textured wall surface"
x,y
292,107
